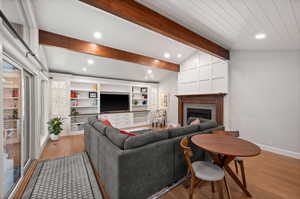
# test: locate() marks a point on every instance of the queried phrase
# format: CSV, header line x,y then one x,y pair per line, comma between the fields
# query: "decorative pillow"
x,y
106,122
127,133
195,122
171,126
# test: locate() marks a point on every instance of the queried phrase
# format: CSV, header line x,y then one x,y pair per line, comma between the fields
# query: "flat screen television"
x,y
114,102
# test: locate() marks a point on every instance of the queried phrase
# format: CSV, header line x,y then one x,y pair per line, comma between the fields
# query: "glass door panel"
x,y
11,79
27,135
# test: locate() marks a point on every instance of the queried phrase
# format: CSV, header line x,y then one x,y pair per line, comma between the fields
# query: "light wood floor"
x,y
269,176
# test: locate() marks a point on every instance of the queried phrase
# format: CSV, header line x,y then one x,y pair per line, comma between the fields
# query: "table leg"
x,y
223,162
237,180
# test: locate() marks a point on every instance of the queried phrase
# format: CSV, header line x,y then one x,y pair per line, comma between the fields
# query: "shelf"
x,y
11,120
84,106
83,90
84,98
85,115
11,97
140,99
11,108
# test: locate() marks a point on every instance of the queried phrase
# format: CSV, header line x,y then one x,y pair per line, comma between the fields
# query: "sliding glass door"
x,y
12,106
18,139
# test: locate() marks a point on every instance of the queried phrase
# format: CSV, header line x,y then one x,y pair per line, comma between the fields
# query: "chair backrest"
x,y
230,133
187,151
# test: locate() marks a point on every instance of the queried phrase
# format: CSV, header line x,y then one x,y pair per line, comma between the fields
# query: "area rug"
x,y
67,177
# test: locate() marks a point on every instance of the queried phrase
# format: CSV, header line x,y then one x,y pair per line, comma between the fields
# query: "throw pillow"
x,y
195,122
106,122
127,133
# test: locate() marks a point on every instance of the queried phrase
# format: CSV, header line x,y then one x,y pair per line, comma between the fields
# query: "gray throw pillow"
x,y
175,132
114,135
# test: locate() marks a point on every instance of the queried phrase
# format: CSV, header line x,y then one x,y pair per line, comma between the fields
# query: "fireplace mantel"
x,y
217,99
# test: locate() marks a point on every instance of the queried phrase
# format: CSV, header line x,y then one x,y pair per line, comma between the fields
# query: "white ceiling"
x,y
233,23
62,60
79,20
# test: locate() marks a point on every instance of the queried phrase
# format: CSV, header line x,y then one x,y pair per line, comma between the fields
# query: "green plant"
x,y
74,112
54,125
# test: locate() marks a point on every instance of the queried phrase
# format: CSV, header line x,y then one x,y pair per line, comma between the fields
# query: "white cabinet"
x,y
190,63
118,120
203,74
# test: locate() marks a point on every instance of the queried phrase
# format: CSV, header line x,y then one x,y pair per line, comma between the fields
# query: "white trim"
x,y
279,151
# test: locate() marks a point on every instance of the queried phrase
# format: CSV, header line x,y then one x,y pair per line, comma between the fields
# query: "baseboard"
x,y
279,151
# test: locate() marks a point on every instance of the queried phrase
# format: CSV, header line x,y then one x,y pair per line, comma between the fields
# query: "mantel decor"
x,y
216,99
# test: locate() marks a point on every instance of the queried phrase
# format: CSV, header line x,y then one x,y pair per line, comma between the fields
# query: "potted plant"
x,y
54,127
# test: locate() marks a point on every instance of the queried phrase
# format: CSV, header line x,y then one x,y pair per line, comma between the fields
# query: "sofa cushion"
x,y
206,124
145,138
174,132
114,135
99,126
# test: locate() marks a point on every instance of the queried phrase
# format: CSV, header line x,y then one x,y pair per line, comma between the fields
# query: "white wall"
x,y
265,98
169,85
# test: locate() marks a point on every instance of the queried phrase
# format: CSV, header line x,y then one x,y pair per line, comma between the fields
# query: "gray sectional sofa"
x,y
135,167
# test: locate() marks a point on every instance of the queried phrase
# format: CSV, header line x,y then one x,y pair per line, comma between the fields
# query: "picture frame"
x,y
144,90
93,94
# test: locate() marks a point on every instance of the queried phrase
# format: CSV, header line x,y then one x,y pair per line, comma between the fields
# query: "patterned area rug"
x,y
69,177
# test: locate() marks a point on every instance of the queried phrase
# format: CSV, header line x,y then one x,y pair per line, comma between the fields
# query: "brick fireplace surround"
x,y
215,99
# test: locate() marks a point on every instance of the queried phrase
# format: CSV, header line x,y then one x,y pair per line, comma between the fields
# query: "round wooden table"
x,y
223,149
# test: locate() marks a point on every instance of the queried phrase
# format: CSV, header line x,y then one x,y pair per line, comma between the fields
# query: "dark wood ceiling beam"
x,y
52,39
143,16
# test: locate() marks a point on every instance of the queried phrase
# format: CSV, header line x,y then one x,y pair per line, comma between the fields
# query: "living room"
x,y
150,99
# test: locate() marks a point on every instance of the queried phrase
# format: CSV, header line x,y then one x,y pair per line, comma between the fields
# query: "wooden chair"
x,y
237,161
203,170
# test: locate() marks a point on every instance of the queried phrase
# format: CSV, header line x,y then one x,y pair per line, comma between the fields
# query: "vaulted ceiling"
x,y
233,23
229,23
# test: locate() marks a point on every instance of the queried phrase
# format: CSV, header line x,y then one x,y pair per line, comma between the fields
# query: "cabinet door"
x,y
153,98
60,103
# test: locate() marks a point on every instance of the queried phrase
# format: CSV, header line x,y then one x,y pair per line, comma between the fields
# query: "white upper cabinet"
x,y
203,74
192,62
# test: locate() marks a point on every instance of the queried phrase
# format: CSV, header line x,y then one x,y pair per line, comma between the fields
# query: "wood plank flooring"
x,y
269,176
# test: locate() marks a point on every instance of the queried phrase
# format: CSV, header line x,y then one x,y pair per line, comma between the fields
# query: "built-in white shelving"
x,y
84,98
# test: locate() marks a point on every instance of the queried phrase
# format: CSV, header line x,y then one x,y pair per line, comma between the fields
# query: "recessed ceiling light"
x,y
156,61
84,69
167,55
149,71
260,36
97,35
179,55
90,61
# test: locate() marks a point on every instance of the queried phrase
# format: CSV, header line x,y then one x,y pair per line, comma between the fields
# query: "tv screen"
x,y
114,102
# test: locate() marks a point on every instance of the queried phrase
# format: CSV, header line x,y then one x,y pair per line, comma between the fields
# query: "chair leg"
x,y
193,180
227,188
220,189
212,187
241,162
187,180
236,167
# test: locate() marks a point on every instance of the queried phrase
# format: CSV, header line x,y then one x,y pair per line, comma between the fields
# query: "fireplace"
x,y
198,113
209,106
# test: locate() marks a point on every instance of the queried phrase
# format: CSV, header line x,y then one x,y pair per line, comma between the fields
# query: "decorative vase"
x,y
54,137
